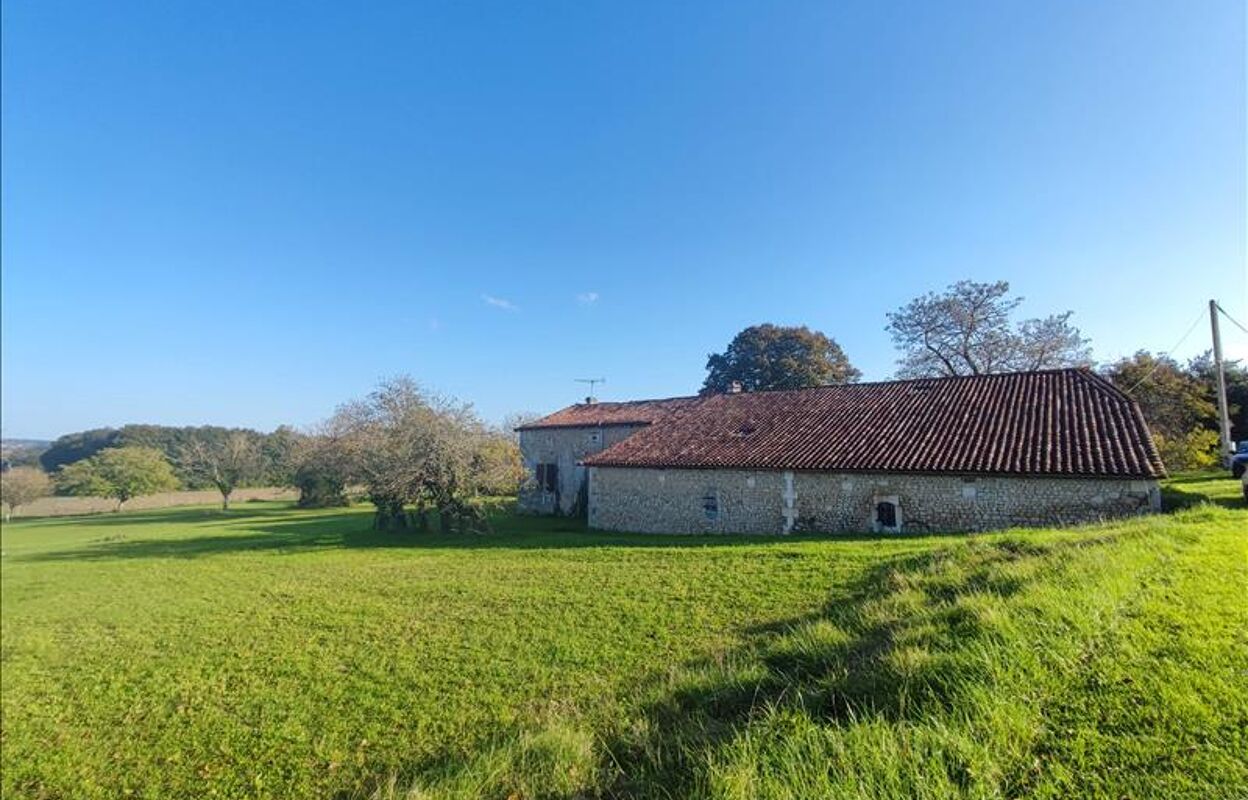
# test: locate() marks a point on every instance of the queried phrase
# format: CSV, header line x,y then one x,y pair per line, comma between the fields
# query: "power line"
x,y
1234,321
1176,346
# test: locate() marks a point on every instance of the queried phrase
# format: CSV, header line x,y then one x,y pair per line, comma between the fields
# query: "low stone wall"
x,y
745,501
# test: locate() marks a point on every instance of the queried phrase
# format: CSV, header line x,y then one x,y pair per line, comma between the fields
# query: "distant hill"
x,y
25,444
21,452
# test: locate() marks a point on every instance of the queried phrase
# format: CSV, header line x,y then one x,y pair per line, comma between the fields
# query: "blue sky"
x,y
246,213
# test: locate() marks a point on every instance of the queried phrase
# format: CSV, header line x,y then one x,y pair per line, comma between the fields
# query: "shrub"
x,y
1197,449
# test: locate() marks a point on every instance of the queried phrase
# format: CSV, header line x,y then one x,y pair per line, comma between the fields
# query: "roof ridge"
x,y
929,379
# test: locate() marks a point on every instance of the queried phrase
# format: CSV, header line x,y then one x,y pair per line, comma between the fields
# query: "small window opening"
x,y
710,506
595,438
886,515
547,477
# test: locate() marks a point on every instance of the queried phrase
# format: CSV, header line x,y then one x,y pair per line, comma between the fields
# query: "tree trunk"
x,y
390,517
225,500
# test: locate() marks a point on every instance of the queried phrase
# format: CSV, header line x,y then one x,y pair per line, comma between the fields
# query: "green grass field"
x,y
270,652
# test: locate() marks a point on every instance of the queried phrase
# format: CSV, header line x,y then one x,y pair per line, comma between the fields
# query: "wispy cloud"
x,y
499,302
587,298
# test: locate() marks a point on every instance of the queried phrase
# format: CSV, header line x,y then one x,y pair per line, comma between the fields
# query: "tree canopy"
x,y
405,445
1179,402
22,485
121,473
968,330
275,448
408,446
76,446
778,357
223,462
1203,370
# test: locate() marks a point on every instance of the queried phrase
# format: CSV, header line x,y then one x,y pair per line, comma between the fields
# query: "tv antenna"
x,y
592,383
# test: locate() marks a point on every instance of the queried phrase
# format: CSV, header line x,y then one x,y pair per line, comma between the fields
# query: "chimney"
x,y
589,401
734,387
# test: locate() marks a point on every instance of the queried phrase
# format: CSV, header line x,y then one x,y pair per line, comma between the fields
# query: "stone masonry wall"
x,y
746,501
565,447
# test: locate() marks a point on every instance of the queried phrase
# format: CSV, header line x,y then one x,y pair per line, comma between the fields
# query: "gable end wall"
x,y
565,447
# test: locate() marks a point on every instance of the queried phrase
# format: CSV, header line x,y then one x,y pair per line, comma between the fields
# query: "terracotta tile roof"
x,y
635,412
1056,422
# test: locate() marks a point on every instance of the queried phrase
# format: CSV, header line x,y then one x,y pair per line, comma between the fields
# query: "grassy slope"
x,y
279,653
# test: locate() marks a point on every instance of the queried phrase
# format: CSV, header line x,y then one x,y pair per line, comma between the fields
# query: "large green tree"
x,y
1177,404
1203,370
121,473
778,357
968,329
1173,400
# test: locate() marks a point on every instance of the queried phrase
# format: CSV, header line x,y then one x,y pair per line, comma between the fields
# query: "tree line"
x,y
401,446
413,453
269,451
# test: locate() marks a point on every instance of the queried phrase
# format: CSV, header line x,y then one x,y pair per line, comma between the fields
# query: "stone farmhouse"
x,y
942,454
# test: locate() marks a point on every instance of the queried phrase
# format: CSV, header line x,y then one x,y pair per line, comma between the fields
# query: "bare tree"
x,y
22,485
408,446
515,420
967,330
225,462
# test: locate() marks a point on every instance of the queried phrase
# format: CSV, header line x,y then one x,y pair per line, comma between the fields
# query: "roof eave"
x,y
878,471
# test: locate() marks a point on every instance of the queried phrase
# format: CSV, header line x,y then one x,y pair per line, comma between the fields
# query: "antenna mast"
x,y
592,383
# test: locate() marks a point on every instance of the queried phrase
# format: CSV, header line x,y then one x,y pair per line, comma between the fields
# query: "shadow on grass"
x,y
897,644
182,515
287,530
894,647
1175,496
1187,489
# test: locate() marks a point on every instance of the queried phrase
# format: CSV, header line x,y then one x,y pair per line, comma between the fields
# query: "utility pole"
x,y
1224,414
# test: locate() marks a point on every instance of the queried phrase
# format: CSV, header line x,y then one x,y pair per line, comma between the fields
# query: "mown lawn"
x,y
270,652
